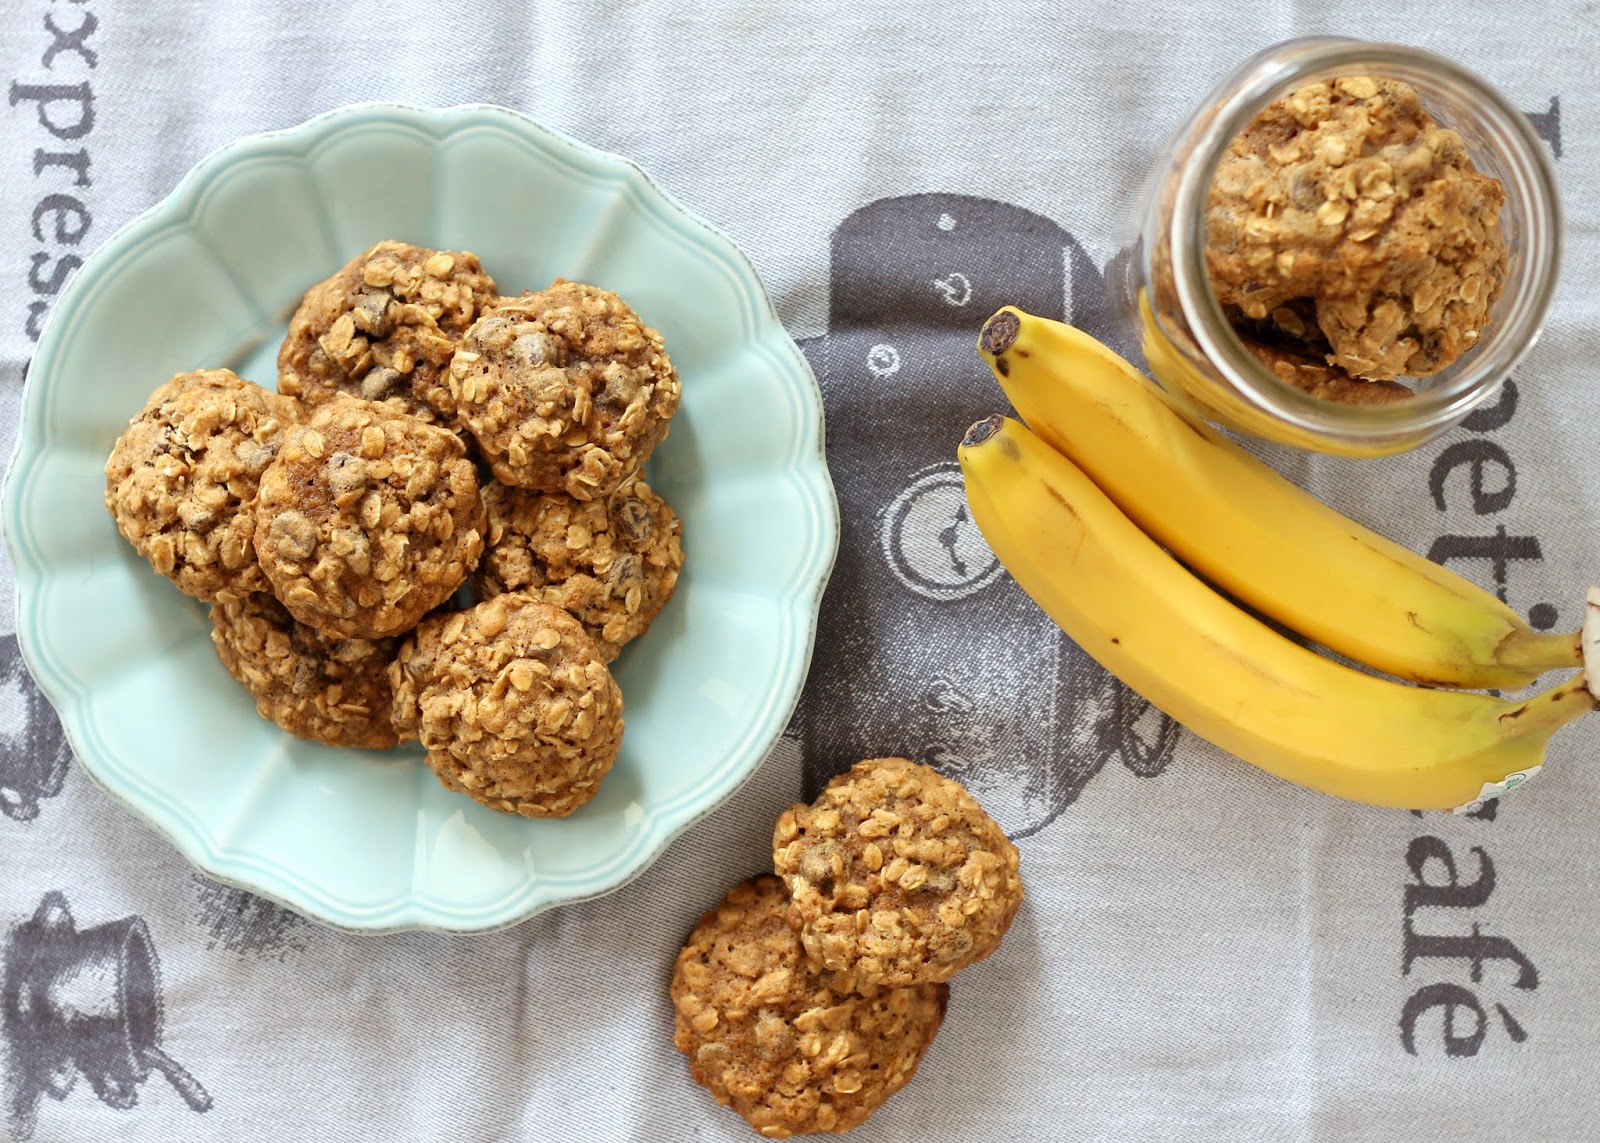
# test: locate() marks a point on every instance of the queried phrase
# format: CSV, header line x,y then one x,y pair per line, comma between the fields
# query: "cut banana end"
x,y
1591,641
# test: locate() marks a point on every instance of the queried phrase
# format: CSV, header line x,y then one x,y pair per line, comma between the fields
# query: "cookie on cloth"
x,y
565,390
779,1044
384,328
368,519
182,478
612,562
513,701
330,690
896,875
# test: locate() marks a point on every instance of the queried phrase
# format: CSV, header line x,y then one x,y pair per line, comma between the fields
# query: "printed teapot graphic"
x,y
924,646
33,750
83,1003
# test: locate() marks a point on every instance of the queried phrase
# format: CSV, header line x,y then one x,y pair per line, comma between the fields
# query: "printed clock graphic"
x,y
925,647
930,541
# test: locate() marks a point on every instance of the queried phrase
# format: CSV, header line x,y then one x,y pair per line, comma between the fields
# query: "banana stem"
x,y
1548,712
1537,652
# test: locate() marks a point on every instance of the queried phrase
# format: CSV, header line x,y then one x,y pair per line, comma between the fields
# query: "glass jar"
x,y
1193,350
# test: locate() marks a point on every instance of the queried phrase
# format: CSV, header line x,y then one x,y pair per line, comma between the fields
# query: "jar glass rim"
x,y
1531,192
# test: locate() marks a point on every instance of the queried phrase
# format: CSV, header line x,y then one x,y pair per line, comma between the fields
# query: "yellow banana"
x,y
1252,532
1223,673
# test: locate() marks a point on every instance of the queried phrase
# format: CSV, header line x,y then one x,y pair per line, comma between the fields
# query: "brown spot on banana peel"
x,y
1054,494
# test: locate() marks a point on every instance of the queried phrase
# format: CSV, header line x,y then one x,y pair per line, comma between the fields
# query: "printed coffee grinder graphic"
x,y
33,750
925,647
83,1003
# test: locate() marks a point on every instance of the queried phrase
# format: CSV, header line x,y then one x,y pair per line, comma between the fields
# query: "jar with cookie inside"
x,y
1347,249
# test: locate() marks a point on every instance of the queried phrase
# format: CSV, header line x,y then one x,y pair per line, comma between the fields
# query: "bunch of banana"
x,y
1087,543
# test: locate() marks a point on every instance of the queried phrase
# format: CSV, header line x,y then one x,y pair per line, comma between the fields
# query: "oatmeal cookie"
x,y
367,519
514,703
1346,199
384,328
777,1043
326,689
564,390
612,562
896,875
1301,365
181,481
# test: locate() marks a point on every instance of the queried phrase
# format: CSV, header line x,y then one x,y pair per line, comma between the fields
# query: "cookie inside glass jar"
x,y
1351,242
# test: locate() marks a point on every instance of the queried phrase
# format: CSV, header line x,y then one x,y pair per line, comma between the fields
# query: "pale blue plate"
x,y
208,278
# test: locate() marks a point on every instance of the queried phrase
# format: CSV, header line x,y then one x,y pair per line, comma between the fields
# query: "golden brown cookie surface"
x,y
612,561
384,328
367,519
564,390
1306,369
181,481
896,875
514,704
779,1044
329,690
1347,197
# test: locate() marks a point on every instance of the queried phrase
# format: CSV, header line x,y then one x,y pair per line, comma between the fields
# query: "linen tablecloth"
x,y
1206,953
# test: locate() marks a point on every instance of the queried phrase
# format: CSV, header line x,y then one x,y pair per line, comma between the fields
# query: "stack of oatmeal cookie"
x,y
333,524
806,1000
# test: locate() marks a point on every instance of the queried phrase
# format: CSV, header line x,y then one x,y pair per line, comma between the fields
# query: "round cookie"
x,y
565,390
612,562
1346,199
896,875
384,328
326,689
514,704
181,480
367,519
779,1044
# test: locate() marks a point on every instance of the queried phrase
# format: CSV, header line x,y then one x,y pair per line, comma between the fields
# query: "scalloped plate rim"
x,y
804,468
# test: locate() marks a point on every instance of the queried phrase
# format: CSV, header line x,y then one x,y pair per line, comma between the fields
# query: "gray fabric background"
x,y
1206,953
